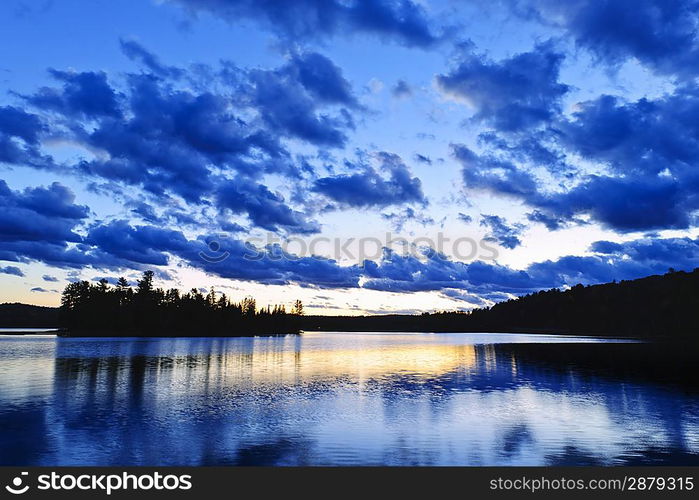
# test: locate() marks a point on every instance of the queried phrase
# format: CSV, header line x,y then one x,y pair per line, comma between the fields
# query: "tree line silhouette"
x,y
98,308
655,306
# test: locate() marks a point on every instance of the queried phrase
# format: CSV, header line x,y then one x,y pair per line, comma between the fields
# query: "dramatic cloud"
x,y
623,203
170,140
510,95
118,245
189,133
642,137
646,151
368,187
402,20
289,108
661,34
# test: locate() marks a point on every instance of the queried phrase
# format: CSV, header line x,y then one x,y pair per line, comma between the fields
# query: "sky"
x,y
364,156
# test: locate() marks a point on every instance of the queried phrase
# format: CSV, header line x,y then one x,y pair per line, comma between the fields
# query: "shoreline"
x,y
29,331
64,333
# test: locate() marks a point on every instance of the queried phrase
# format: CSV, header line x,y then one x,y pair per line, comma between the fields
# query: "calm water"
x,y
337,399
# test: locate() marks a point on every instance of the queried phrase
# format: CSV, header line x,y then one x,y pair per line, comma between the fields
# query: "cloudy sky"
x,y
272,148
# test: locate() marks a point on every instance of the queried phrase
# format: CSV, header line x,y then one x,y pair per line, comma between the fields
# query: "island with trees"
x,y
98,309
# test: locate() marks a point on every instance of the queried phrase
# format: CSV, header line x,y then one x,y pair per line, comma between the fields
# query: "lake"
x,y
338,398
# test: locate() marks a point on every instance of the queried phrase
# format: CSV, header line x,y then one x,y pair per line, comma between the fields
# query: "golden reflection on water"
x,y
268,364
282,367
416,360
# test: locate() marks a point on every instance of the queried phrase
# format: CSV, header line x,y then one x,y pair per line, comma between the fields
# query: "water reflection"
x,y
339,399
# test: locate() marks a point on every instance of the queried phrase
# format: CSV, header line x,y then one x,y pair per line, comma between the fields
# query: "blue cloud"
x,y
510,95
368,188
423,159
20,134
119,245
227,125
273,266
624,204
12,270
54,201
86,94
499,230
466,219
136,52
638,137
61,255
15,122
661,34
487,173
402,89
552,223
44,224
679,253
265,209
402,20
645,152
536,147
399,219
288,108
433,271
139,244
230,258
45,215
47,277
470,298
146,212
322,78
